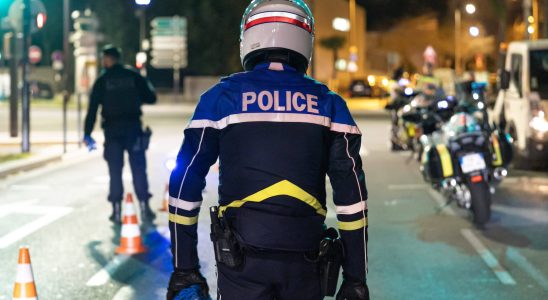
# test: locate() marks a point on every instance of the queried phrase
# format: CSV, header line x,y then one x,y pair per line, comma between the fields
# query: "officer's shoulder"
x,y
212,95
131,70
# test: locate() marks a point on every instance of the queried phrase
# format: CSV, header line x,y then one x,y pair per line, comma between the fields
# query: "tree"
x,y
333,43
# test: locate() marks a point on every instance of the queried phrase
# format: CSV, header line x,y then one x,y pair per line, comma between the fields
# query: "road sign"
x,y
169,42
175,23
35,55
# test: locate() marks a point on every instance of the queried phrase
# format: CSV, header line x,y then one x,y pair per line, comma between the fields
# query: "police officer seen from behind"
x,y
277,133
120,92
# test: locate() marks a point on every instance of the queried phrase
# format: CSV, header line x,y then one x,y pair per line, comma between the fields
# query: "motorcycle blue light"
x,y
170,164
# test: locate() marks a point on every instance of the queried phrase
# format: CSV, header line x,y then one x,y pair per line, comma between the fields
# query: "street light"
x,y
474,31
470,9
341,24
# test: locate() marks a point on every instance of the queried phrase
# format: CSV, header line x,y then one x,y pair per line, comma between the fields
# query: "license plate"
x,y
472,162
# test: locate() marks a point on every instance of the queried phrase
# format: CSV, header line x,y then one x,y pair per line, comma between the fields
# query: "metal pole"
x,y
313,60
536,19
176,82
79,119
526,14
14,88
66,50
458,54
25,144
142,27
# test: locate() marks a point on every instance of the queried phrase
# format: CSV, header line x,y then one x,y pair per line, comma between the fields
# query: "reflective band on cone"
x,y
24,288
130,241
165,203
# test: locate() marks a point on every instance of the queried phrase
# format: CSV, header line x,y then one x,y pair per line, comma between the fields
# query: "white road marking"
x,y
476,243
6,209
400,187
51,214
30,187
514,255
104,275
488,257
124,293
527,215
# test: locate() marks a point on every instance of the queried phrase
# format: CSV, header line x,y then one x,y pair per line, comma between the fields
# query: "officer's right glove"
x,y
353,290
181,280
90,143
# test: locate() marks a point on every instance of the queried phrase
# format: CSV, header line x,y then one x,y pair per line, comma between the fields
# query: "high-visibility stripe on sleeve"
x,y
345,128
181,220
351,209
183,204
354,225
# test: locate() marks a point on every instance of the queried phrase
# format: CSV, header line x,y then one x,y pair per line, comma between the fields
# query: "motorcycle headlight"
x,y
407,108
408,91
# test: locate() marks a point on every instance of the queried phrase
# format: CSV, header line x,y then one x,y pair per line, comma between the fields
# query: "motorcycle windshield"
x,y
461,123
538,62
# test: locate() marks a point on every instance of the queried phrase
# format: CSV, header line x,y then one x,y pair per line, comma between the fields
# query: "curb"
x,y
28,164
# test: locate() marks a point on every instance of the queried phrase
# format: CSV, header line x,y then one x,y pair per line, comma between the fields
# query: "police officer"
x,y
277,134
120,92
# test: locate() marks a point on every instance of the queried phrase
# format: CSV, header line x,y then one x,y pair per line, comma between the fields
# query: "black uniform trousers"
x,y
270,276
115,147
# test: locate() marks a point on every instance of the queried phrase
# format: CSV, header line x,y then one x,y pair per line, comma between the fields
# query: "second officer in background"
x,y
120,92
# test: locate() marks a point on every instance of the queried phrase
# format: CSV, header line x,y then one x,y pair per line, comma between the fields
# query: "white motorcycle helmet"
x,y
277,31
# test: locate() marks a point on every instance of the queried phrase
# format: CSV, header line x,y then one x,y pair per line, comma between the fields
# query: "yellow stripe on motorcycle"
x,y
411,130
446,162
498,157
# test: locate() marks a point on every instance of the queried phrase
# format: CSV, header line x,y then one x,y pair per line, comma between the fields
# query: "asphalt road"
x,y
415,251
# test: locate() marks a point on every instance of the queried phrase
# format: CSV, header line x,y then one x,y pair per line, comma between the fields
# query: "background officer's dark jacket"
x,y
277,135
121,92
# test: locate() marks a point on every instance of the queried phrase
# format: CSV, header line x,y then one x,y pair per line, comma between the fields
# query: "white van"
x,y
522,102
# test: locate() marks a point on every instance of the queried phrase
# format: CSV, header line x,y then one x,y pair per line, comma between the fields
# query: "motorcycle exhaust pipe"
x,y
500,173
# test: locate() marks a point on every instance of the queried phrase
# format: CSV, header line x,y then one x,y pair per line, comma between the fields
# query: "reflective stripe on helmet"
x,y
279,17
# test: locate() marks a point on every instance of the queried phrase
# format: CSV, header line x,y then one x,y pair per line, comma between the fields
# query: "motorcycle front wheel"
x,y
481,203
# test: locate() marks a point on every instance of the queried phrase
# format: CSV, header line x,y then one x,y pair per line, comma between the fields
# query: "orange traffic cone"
x,y
130,241
24,281
165,203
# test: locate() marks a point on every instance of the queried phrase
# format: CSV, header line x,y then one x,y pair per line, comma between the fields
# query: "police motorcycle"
x,y
402,133
464,157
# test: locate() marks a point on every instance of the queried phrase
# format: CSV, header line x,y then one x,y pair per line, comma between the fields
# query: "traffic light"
x,y
40,20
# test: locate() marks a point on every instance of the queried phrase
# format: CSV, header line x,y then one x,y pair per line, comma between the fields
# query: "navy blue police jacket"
x,y
276,133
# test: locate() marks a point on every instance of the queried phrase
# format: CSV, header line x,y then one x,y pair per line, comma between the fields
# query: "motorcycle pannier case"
x,y
437,163
501,149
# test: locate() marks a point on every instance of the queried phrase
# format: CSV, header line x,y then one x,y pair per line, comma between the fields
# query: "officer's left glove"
x,y
90,143
184,279
352,289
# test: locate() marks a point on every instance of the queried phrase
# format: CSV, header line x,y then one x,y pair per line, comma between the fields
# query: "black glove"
x,y
182,279
353,290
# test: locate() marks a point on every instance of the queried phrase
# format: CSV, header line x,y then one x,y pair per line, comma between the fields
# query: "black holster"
x,y
227,249
330,258
145,138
